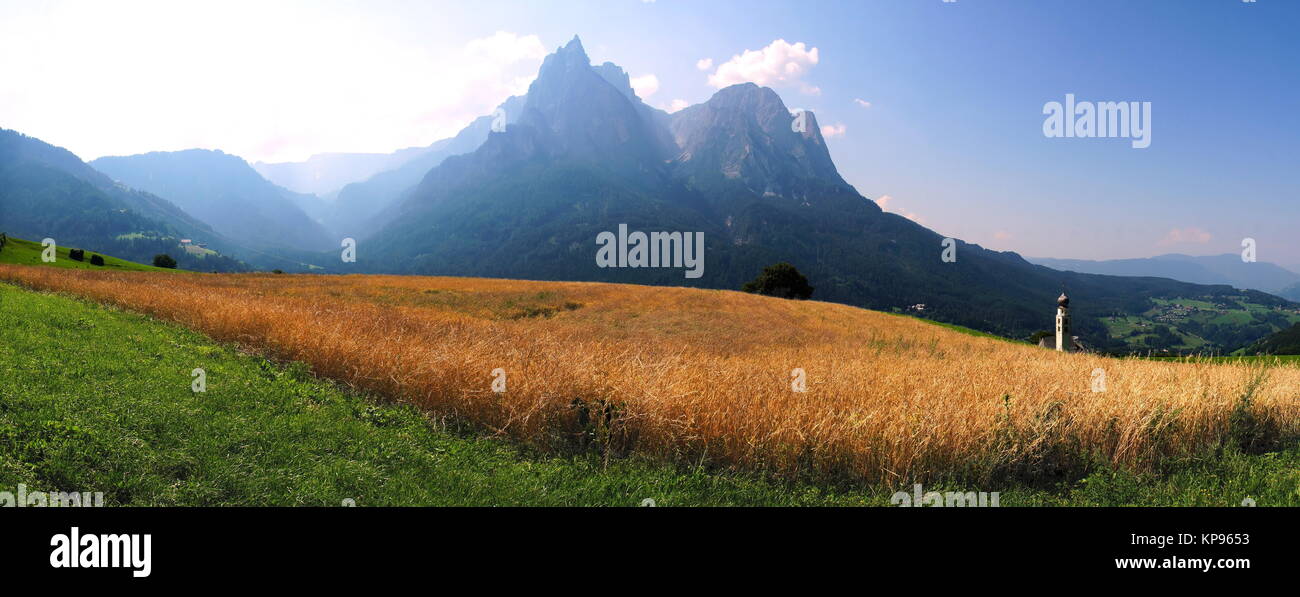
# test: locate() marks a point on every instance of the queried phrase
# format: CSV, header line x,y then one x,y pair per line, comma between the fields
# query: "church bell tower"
x,y
1064,341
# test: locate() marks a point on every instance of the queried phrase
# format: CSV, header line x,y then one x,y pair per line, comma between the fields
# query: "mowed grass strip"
x,y
97,399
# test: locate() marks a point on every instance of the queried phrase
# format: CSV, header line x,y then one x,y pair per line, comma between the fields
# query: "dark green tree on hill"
x,y
781,280
164,260
96,260
1039,335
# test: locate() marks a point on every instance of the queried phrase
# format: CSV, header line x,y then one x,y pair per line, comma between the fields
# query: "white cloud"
x,y
884,202
676,105
862,102
834,130
1185,236
264,81
645,85
780,63
704,64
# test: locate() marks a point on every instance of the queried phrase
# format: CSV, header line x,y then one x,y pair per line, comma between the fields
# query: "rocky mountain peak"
x,y
745,132
617,77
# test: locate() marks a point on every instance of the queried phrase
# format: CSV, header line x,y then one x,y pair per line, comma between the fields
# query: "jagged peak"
x,y
572,52
617,77
566,60
746,92
575,45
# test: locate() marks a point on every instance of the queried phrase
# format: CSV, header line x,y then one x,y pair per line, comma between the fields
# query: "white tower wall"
x,y
1064,341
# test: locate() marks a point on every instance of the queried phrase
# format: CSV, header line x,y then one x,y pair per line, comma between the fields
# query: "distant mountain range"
x,y
1213,269
47,192
224,191
324,174
582,157
1291,293
351,191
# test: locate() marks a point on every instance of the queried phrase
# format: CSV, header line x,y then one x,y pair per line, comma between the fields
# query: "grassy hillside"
x,y
1207,324
711,378
24,252
1285,342
99,399
47,191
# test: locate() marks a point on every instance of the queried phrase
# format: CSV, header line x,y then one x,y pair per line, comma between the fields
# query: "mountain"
x,y
586,156
357,210
324,174
48,192
348,193
224,191
1212,269
1291,293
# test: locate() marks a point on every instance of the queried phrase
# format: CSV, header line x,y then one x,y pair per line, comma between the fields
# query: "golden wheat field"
x,y
705,377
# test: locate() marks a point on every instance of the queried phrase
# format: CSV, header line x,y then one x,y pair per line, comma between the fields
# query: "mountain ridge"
x,y
224,191
1227,268
47,191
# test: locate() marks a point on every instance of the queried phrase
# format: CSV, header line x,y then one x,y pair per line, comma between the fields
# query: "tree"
x,y
96,260
164,260
77,254
781,280
1039,335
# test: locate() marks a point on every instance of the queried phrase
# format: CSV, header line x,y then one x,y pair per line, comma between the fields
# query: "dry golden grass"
x,y
705,376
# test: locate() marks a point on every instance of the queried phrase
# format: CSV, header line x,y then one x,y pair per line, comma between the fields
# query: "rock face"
x,y
746,133
577,114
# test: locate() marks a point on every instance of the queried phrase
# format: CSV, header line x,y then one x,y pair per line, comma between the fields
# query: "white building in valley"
x,y
1065,342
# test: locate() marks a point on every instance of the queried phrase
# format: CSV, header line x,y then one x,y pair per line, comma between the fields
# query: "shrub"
x,y
1250,428
781,280
77,254
96,260
164,260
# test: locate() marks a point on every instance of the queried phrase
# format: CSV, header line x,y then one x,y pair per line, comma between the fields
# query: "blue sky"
x,y
952,137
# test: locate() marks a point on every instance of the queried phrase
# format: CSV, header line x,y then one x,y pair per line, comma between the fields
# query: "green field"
x,y
1193,325
24,252
97,399
1266,360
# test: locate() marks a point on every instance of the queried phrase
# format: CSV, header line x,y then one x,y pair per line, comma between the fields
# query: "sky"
x,y
933,109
